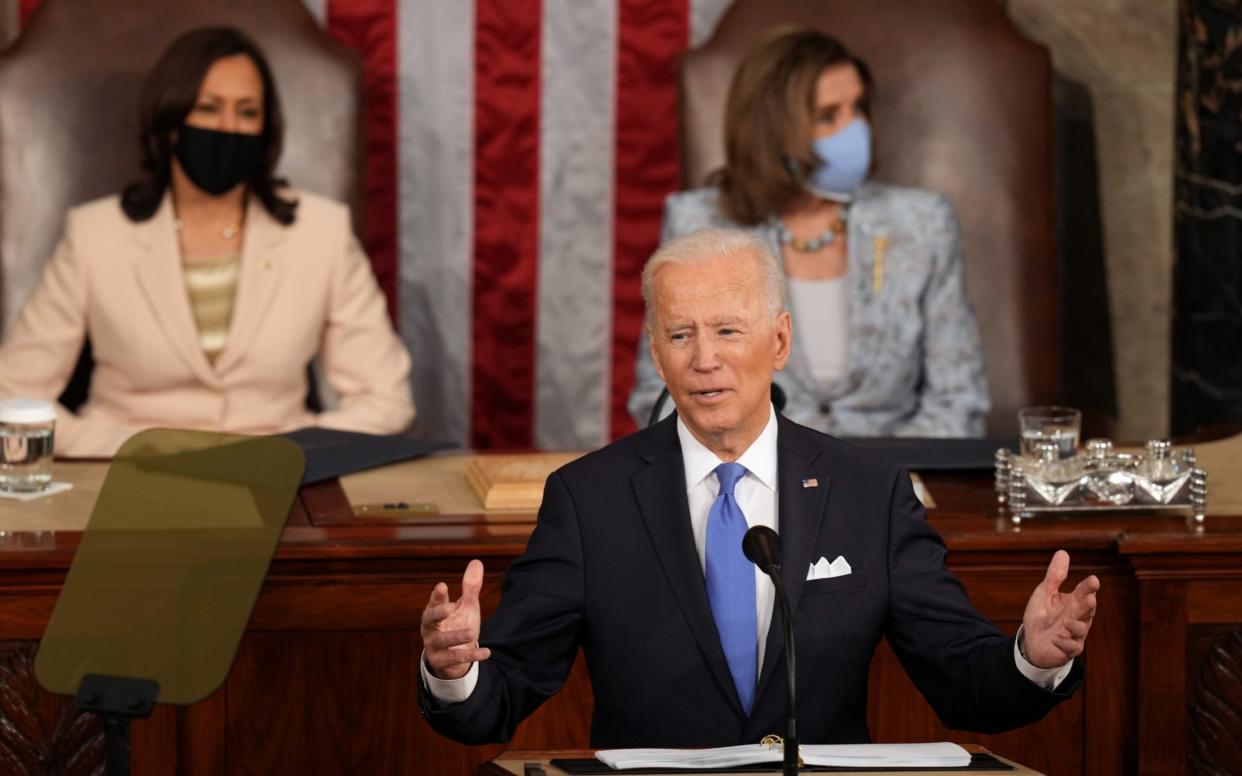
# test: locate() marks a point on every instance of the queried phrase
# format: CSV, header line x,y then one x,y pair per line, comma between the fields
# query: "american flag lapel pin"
x,y
811,483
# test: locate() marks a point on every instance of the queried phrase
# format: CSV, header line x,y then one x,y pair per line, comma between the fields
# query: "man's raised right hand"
x,y
450,629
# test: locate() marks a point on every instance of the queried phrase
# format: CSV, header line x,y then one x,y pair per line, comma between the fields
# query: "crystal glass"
x,y
26,432
1110,475
1059,425
1054,480
1162,475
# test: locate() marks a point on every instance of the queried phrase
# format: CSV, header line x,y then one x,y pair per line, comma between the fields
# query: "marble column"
x,y
1120,57
1207,288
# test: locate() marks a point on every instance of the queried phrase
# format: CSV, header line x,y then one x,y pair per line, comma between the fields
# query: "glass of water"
x,y
27,427
1059,425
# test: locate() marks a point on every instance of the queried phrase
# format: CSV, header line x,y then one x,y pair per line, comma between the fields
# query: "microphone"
x,y
778,401
762,547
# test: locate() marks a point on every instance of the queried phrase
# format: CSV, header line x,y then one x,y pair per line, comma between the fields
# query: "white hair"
x,y
714,243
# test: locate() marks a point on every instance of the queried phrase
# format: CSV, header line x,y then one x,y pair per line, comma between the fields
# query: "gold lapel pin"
x,y
264,264
877,265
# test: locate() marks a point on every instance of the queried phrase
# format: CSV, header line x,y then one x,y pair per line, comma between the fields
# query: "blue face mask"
x,y
846,158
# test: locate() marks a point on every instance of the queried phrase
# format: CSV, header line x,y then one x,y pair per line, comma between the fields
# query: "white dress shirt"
x,y
756,494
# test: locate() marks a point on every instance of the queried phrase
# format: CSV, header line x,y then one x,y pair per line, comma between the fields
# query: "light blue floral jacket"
x,y
914,364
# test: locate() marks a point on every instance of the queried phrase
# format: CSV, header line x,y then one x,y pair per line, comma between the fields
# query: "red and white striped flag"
x,y
519,153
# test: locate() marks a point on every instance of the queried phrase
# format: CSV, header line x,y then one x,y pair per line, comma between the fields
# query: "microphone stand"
x,y
791,731
762,547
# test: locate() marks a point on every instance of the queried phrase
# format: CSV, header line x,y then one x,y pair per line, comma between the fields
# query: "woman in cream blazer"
x,y
168,352
304,289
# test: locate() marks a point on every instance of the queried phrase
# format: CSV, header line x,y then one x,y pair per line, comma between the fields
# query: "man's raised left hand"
x,y
1055,624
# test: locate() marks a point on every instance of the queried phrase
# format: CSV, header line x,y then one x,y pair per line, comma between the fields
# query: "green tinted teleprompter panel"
x,y
171,562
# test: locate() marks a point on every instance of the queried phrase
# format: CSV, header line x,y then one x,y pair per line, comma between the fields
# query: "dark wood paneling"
x,y
202,745
1162,683
1111,687
155,739
42,733
322,702
1214,673
1189,584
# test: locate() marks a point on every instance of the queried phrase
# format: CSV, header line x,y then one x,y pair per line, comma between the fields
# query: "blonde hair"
x,y
709,244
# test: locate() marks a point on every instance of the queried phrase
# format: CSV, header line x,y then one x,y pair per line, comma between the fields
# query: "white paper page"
x,y
720,757
940,754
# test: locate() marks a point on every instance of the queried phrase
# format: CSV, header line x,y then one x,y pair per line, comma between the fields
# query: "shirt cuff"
x,y
451,690
1047,678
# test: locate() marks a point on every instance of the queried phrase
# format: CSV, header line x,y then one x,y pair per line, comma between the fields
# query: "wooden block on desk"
x,y
514,482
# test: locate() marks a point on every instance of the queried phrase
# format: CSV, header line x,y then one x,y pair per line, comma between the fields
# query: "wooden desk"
x,y
324,680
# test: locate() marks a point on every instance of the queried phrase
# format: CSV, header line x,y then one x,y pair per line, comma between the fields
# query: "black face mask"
x,y
217,161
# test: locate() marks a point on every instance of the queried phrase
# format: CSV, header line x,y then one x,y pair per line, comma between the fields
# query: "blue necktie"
x,y
731,583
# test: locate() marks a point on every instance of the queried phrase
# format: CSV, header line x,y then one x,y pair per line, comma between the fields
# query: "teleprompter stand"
x,y
166,574
118,700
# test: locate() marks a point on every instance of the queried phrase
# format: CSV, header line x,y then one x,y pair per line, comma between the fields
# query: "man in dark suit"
x,y
636,559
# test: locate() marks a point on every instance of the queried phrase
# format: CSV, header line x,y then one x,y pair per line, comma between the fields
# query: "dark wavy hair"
x,y
168,96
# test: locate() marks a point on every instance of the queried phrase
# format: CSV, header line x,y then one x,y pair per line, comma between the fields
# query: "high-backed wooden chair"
x,y
964,107
69,103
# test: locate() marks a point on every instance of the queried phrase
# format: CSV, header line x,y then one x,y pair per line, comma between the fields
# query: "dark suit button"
x,y
825,408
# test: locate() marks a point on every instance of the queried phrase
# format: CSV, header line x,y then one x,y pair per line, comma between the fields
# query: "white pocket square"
x,y
822,569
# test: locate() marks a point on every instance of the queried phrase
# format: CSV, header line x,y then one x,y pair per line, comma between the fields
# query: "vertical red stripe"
x,y
651,35
370,28
506,221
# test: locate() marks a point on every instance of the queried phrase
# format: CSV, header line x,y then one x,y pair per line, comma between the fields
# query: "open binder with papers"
x,y
872,756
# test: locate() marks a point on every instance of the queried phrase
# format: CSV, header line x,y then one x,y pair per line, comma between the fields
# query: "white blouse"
x,y
820,311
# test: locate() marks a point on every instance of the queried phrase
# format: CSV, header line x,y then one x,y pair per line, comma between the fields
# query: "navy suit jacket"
x,y
612,568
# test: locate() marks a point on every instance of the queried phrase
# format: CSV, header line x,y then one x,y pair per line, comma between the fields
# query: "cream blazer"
x,y
304,289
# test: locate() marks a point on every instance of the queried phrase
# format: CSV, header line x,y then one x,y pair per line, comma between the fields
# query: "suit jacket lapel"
x,y
259,279
801,515
660,489
157,269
